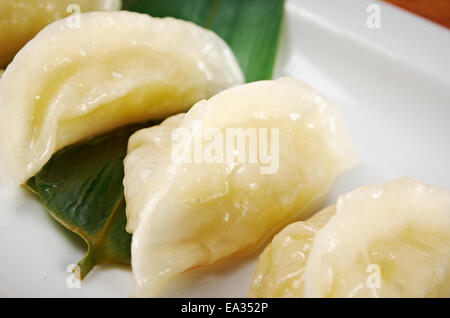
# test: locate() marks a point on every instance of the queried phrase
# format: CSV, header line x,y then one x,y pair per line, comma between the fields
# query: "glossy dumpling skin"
x,y
390,240
185,215
68,84
21,20
281,267
147,167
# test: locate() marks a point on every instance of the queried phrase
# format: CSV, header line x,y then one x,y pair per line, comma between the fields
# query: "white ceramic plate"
x,y
393,84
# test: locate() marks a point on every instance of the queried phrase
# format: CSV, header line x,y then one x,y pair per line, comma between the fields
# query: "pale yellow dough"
x,y
117,68
390,240
21,20
281,267
185,215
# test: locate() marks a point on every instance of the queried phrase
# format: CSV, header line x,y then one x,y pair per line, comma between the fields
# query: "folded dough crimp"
x,y
188,213
117,68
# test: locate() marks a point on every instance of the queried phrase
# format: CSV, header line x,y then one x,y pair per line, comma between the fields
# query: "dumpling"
x,y
281,267
69,83
21,20
120,67
147,165
269,152
391,240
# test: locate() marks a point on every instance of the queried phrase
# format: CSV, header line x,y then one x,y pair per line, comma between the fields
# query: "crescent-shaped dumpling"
x,y
116,68
189,208
21,20
390,240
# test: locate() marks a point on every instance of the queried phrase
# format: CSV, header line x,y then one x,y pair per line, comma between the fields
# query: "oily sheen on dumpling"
x,y
189,213
281,267
119,67
21,20
390,240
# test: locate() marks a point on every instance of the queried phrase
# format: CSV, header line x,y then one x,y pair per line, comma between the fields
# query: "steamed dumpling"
x,y
281,267
21,20
68,83
391,240
188,210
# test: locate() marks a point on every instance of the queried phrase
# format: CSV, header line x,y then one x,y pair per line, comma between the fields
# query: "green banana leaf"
x,y
81,186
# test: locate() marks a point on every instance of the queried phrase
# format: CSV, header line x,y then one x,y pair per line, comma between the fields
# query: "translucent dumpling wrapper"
x,y
117,68
390,240
281,267
190,208
21,20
